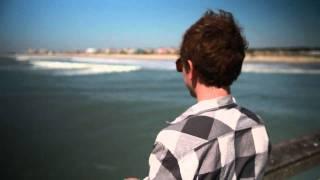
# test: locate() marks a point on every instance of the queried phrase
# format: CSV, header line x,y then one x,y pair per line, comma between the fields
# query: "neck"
x,y
204,92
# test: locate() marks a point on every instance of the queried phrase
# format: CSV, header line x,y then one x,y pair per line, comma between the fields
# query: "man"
x,y
215,138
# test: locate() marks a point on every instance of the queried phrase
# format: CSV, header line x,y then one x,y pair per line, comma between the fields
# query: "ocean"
x,y
81,118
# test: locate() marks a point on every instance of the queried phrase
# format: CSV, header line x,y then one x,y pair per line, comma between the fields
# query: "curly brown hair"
x,y
216,48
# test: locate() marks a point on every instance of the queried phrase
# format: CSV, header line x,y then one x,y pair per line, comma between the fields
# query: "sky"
x,y
80,24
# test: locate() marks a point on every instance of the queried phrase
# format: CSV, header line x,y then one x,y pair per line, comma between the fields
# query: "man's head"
x,y
214,49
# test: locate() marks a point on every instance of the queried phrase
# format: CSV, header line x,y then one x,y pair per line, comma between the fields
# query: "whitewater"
x,y
87,66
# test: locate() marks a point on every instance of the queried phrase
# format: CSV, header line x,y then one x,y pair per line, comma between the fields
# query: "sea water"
x,y
82,118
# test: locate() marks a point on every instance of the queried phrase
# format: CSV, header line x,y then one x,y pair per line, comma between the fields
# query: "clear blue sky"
x,y
78,24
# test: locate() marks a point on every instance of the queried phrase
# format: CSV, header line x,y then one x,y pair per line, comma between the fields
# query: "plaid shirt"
x,y
213,139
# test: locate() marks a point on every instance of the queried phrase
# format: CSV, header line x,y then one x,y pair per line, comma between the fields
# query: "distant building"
x,y
160,51
43,51
114,51
91,50
31,51
149,51
107,51
172,51
166,51
130,50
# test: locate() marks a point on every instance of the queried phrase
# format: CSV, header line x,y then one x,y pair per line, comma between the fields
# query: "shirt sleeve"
x,y
163,165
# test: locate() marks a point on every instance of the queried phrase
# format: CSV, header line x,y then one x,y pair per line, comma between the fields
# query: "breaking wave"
x,y
278,69
79,68
87,65
266,68
145,64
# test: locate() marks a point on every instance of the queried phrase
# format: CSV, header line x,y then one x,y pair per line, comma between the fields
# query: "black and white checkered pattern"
x,y
214,139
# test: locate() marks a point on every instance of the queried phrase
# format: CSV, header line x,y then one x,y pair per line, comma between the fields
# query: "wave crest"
x,y
277,69
75,68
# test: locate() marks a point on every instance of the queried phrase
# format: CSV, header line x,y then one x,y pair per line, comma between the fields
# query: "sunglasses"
x,y
179,65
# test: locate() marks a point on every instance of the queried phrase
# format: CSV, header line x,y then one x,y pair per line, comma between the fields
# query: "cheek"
x,y
186,80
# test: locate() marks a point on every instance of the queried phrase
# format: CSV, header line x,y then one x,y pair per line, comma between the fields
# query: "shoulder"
x,y
247,119
250,114
197,126
181,138
251,132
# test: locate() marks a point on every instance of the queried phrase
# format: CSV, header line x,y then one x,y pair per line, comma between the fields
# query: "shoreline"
x,y
173,57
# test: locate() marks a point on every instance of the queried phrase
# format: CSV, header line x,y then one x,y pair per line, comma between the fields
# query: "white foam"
x,y
169,65
22,58
145,64
38,57
103,65
277,69
73,68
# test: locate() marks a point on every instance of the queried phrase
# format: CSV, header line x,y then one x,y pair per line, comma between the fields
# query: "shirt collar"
x,y
204,105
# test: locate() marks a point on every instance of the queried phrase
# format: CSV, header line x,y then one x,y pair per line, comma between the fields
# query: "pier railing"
x,y
293,156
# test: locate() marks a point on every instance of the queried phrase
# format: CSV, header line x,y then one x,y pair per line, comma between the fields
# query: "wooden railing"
x,y
293,156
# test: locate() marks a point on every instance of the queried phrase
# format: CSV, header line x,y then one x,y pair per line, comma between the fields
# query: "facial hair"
x,y
191,91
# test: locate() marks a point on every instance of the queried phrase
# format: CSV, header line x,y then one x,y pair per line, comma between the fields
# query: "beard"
x,y
191,91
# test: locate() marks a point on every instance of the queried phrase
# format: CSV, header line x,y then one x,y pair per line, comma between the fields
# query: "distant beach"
x,y
283,58
249,58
